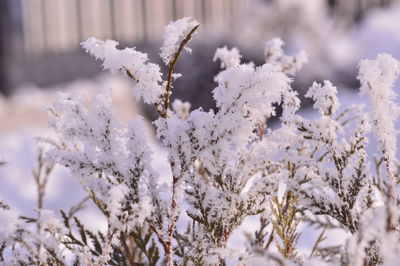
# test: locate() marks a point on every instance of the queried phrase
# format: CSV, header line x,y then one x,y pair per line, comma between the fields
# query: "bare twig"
x,y
77,207
41,176
320,238
127,251
130,74
271,238
171,67
98,203
173,219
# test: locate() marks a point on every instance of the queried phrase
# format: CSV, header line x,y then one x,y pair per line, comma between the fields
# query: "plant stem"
x,y
171,67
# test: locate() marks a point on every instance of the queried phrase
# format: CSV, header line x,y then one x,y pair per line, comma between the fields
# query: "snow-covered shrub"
x,y
225,166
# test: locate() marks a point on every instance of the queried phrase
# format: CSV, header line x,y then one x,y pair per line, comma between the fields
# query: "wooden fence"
x,y
59,25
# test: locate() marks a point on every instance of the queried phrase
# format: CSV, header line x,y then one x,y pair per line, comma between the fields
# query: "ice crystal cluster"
x,y
225,166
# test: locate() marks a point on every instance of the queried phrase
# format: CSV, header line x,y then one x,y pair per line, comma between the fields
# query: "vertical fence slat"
x,y
96,18
159,13
186,8
60,25
70,24
33,26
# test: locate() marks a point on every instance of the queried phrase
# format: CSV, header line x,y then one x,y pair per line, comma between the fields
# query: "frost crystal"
x,y
9,223
275,55
135,64
174,34
274,49
324,96
228,58
377,78
182,109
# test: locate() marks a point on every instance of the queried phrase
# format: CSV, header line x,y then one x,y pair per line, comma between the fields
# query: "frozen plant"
x,y
225,165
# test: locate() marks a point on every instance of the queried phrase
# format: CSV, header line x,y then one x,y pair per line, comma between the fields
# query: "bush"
x,y
225,166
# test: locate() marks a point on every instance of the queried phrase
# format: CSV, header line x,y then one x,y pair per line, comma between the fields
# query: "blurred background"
x,y
40,55
39,39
